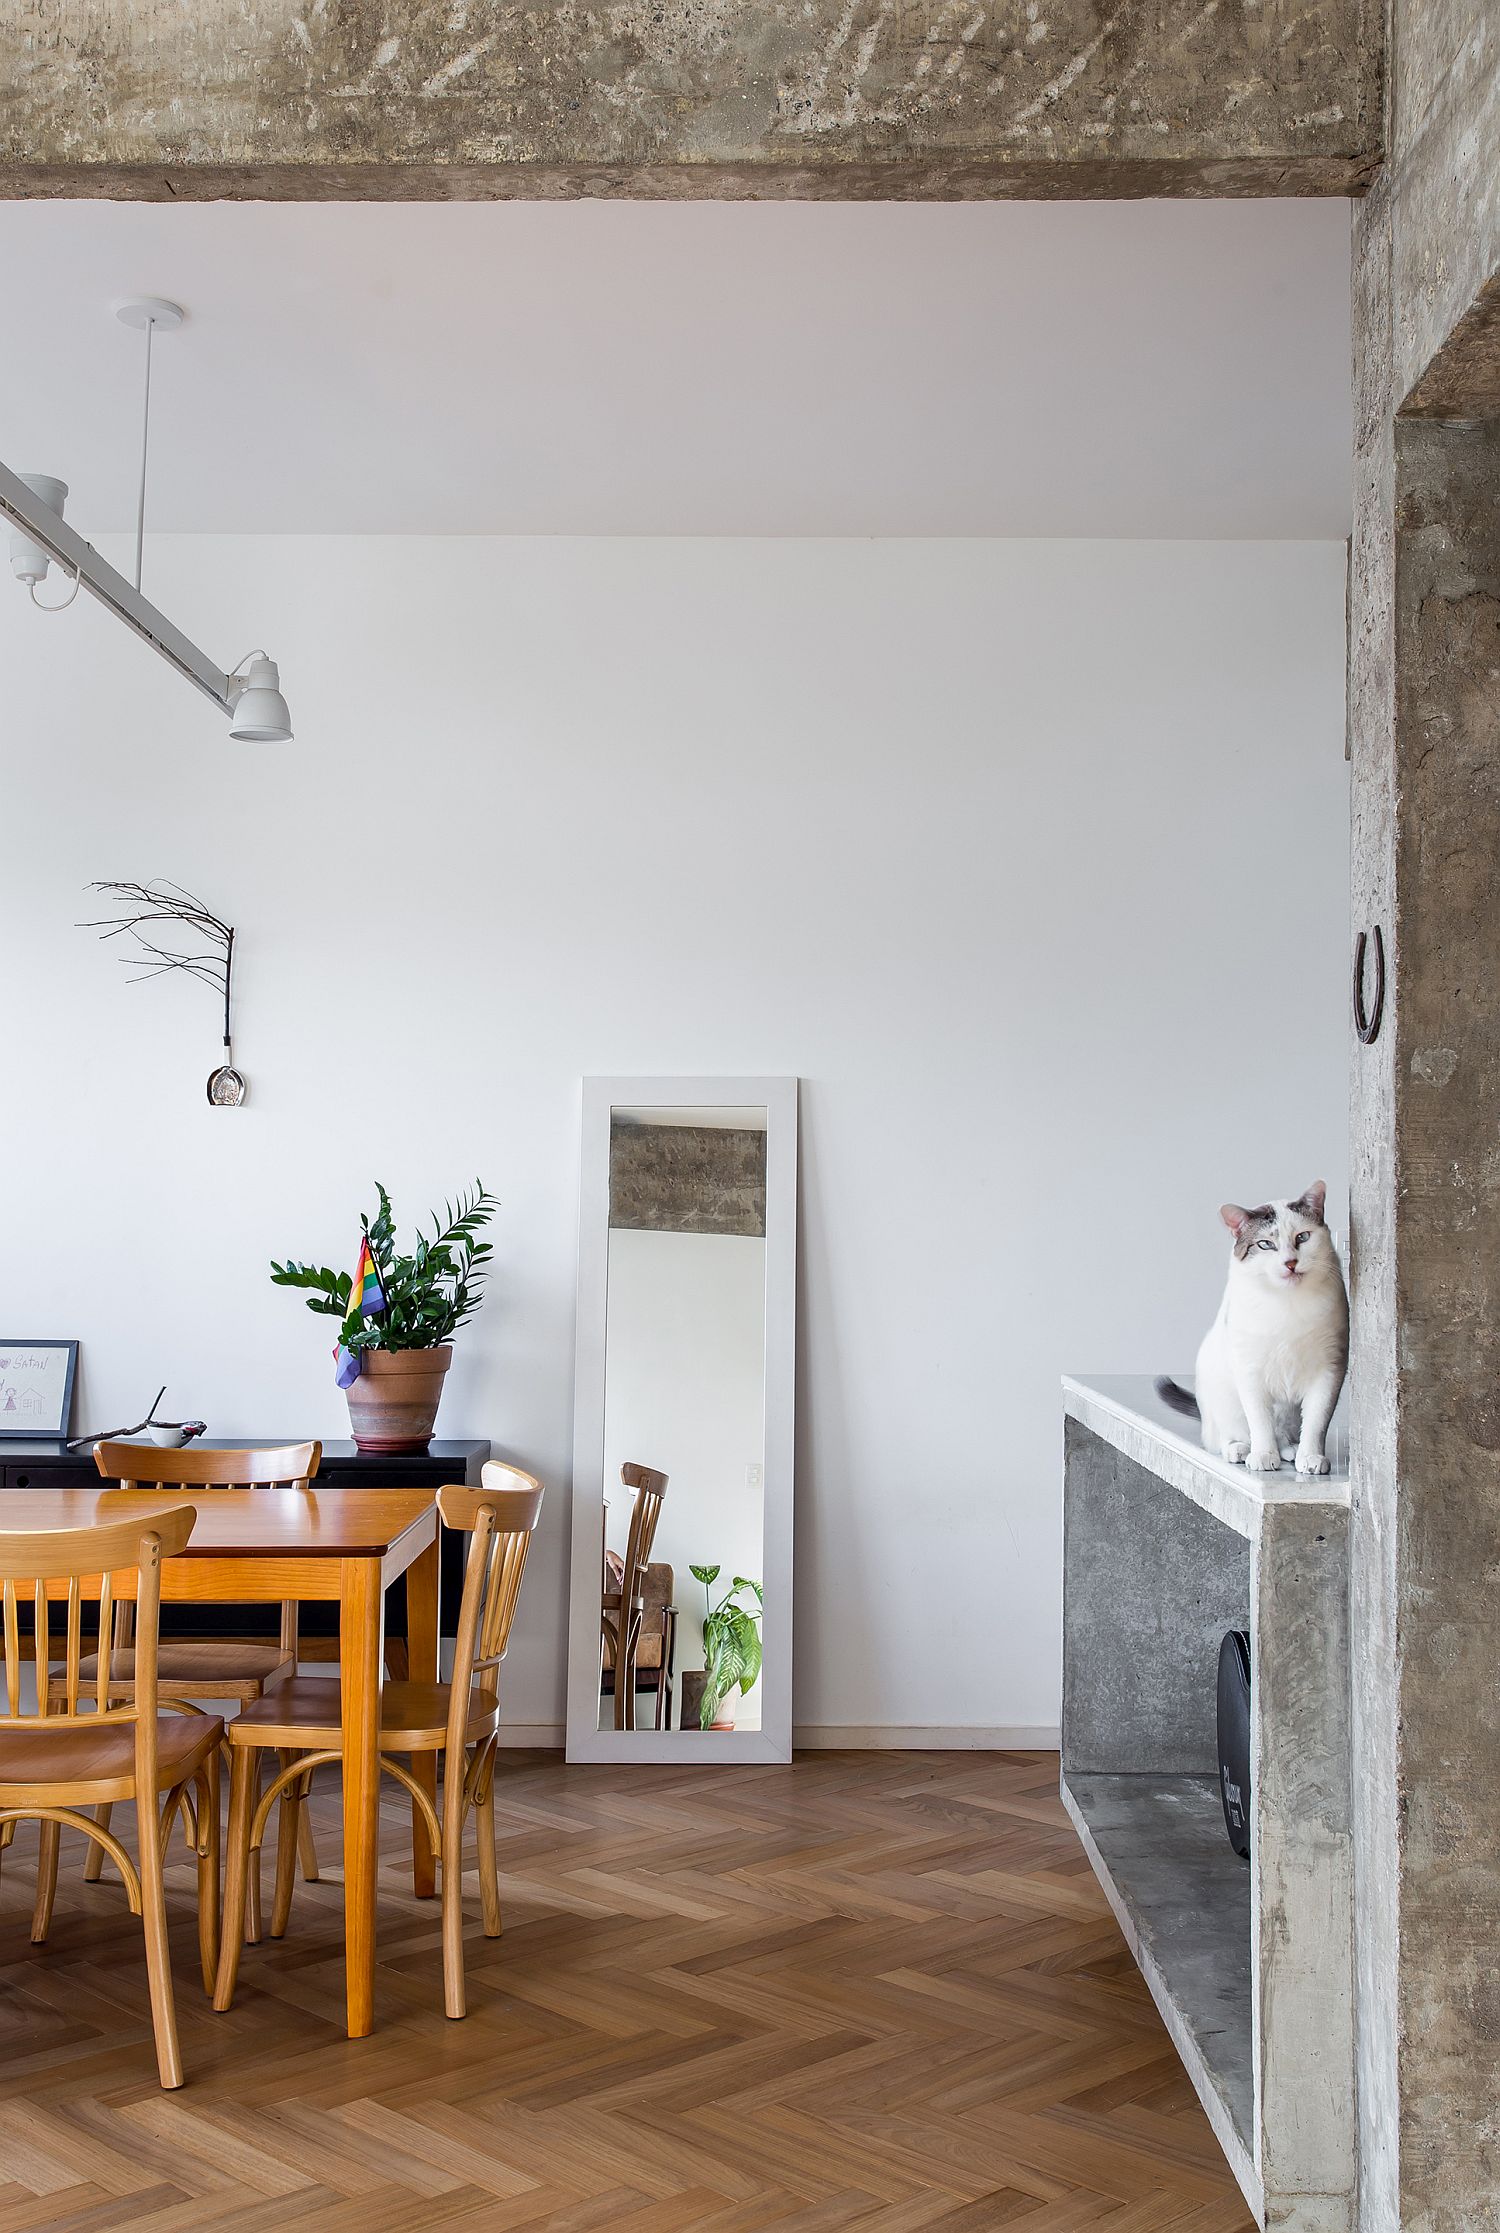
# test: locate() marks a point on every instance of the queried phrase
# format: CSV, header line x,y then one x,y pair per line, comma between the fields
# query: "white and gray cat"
x,y
1272,1364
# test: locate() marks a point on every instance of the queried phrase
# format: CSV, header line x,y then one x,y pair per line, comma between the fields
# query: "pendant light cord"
x,y
63,603
140,509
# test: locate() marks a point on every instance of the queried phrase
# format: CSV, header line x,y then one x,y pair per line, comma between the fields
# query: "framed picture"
x,y
36,1389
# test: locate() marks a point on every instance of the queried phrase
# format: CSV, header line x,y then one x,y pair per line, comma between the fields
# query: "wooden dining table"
x,y
345,1546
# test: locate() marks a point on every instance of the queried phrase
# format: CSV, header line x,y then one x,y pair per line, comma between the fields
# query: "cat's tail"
x,y
1177,1399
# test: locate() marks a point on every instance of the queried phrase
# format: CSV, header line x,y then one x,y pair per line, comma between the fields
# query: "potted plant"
x,y
398,1314
731,1650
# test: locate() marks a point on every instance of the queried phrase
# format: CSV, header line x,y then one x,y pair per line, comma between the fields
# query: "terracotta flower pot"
x,y
393,1404
694,1681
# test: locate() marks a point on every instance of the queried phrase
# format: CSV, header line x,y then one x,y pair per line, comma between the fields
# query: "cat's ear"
x,y
1234,1217
1312,1199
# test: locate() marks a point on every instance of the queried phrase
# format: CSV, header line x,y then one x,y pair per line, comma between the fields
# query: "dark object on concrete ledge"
x,y
1234,1737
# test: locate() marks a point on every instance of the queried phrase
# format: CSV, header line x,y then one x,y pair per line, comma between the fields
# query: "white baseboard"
x,y
838,1736
863,1737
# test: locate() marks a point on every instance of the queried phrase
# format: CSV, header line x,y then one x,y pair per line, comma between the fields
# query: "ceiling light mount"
x,y
145,311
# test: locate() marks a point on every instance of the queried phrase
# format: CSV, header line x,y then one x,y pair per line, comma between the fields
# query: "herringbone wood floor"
x,y
875,1990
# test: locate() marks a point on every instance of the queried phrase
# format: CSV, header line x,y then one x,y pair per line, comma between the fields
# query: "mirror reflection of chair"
x,y
624,1601
656,1638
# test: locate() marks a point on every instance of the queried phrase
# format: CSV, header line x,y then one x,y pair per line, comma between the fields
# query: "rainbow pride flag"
x,y
367,1299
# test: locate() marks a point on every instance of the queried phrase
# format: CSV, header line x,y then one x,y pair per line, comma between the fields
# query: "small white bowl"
x,y
167,1438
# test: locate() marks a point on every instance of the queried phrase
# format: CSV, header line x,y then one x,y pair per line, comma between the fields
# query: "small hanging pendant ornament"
x,y
226,1088
213,962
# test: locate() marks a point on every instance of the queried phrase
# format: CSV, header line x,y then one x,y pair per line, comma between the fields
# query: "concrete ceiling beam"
x,y
684,99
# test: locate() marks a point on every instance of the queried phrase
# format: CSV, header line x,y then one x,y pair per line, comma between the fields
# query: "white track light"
x,y
32,504
258,711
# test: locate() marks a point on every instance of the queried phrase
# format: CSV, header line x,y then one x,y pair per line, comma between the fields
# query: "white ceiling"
x,y
1111,369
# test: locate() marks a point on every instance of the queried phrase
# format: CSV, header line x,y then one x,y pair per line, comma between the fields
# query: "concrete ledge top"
x,y
1124,1409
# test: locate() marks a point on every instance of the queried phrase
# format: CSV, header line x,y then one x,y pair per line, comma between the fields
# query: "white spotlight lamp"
x,y
258,712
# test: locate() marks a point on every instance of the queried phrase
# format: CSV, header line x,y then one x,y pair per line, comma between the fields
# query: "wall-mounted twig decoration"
x,y
154,913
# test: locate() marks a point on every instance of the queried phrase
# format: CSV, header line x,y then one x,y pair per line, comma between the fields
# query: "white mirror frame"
x,y
773,1740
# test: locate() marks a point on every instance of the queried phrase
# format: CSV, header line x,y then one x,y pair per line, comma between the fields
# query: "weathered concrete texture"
x,y
687,1178
1375,1698
1463,380
1302,1912
1182,1895
1447,1505
1425,1215
1445,180
929,98
1150,1584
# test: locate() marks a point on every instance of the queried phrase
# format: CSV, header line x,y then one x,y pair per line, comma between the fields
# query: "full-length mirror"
x,y
680,1634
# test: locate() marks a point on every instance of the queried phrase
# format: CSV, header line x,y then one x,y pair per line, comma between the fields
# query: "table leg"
x,y
422,1650
361,1622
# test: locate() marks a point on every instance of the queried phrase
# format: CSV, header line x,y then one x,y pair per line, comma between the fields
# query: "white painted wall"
x,y
1028,857
684,1391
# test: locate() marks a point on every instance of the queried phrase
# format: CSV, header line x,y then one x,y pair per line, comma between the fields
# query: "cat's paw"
x,y
1312,1461
1235,1453
1263,1461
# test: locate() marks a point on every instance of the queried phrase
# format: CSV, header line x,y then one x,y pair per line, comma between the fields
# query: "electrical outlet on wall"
x,y
755,1476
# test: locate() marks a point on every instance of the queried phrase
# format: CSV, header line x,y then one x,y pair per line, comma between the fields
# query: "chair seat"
x,y
80,1764
212,1668
649,1645
305,1713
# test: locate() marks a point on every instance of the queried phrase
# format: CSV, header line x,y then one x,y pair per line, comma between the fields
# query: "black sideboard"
x,y
47,1465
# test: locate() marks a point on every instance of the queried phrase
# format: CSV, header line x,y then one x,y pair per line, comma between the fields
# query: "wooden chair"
x,y
656,1641
55,1763
622,1608
190,1669
302,1719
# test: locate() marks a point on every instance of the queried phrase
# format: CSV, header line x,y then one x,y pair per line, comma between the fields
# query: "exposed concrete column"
x,y
1425,741
375,99
1375,1702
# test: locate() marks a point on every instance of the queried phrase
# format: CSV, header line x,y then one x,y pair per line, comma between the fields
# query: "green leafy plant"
x,y
731,1640
428,1294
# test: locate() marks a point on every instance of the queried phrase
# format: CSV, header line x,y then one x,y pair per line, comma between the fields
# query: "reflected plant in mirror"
x,y
731,1648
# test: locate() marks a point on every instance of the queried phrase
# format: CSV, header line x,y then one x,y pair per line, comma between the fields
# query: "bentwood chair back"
x,y
229,1668
500,1518
237,1668
90,1747
303,1718
623,1608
